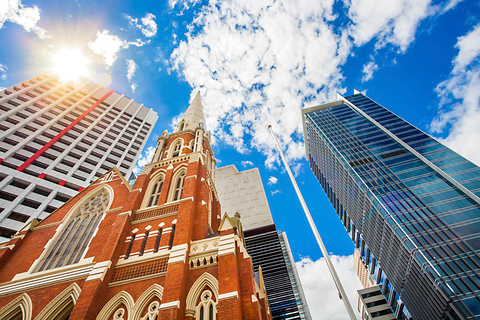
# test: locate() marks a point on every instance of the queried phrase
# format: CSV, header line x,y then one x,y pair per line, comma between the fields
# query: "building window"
x,y
206,308
172,234
144,242
181,126
70,245
177,192
198,140
155,195
130,243
176,149
158,238
152,312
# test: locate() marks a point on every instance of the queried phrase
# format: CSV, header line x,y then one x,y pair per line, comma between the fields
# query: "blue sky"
x,y
258,63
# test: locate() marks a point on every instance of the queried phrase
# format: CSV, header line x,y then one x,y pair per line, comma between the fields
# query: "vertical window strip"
x,y
130,245
176,149
155,195
157,240
179,187
152,196
144,242
172,235
76,237
78,252
197,139
58,246
70,226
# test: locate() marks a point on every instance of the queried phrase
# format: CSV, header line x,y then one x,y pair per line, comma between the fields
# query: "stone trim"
x,y
114,209
178,253
47,225
226,245
36,281
99,270
173,304
228,295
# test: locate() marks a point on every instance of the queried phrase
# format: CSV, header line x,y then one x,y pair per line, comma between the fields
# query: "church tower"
x,y
158,250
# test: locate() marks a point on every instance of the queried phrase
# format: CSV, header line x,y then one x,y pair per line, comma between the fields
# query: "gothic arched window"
x,y
178,190
206,308
152,312
70,245
176,149
155,194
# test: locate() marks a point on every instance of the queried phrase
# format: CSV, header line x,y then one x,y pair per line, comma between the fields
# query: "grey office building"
x,y
410,204
56,138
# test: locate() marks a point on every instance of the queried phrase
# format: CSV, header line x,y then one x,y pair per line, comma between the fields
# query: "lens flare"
x,y
69,64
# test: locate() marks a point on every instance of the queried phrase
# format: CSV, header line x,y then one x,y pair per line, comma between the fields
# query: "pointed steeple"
x,y
193,117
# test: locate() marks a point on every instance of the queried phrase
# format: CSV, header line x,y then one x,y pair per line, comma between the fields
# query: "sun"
x,y
69,64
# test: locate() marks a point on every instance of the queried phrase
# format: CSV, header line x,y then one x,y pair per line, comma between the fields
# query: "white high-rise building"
x,y
56,138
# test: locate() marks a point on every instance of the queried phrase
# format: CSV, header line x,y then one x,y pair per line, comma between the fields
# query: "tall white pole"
x,y
331,268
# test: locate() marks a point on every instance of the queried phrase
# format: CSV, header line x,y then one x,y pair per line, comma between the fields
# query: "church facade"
x,y
158,250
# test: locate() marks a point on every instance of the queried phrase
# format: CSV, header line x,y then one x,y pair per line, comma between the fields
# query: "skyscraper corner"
x,y
58,137
409,204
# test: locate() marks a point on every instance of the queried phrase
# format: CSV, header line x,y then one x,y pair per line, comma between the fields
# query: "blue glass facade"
x,y
410,204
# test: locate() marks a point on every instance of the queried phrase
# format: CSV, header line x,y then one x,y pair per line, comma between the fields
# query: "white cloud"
x,y
259,63
15,12
274,192
108,45
368,70
185,4
319,288
3,71
450,5
469,50
148,26
272,180
144,159
459,115
247,163
389,21
131,68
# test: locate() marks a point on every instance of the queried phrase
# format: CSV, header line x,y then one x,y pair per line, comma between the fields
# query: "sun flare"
x,y
69,64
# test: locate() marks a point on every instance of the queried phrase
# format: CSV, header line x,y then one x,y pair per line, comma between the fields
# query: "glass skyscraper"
x,y
410,204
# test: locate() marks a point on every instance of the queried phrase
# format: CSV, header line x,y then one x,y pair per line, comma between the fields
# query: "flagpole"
x,y
330,266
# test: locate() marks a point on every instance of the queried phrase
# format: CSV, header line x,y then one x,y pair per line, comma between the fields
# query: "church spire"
x,y
193,117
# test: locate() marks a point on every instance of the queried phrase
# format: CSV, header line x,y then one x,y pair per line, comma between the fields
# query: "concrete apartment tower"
x,y
158,250
58,137
410,204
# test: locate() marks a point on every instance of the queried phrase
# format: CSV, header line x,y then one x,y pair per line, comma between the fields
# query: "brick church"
x,y
158,250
